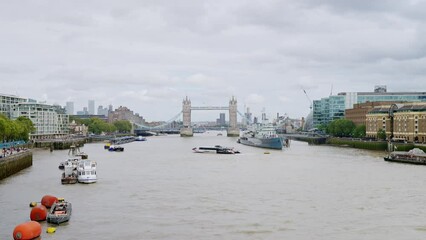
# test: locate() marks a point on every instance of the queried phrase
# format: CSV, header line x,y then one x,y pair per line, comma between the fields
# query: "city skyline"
x,y
150,55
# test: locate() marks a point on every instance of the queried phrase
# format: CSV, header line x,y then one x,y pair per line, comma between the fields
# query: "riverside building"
x,y
334,106
50,121
7,102
408,122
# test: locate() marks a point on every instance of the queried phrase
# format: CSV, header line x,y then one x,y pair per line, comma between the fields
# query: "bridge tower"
x,y
233,130
186,130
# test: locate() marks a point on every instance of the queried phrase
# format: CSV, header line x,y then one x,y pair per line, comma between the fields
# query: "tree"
x,y
123,126
381,134
98,126
27,127
341,128
359,131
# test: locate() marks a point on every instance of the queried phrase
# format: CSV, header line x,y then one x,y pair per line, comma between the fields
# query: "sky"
x,y
148,55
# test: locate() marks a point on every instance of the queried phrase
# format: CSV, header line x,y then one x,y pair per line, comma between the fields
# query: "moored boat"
x,y
86,171
265,137
59,212
414,156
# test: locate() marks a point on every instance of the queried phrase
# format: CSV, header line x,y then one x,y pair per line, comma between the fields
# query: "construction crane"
x,y
310,102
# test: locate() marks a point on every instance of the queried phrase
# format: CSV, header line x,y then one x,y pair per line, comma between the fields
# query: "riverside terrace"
x,y
9,148
15,161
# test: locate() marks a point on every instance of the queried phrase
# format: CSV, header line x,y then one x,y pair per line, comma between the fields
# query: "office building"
x,y
357,114
91,107
69,108
102,111
221,120
333,107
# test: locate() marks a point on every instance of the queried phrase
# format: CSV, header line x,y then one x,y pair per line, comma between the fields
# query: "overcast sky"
x,y
149,54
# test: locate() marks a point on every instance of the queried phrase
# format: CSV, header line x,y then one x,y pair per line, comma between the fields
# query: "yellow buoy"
x,y
51,230
33,204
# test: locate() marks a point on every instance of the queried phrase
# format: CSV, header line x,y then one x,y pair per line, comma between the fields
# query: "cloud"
x,y
150,54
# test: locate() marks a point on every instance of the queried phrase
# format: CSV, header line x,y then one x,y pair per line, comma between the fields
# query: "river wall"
x,y
59,144
14,163
372,145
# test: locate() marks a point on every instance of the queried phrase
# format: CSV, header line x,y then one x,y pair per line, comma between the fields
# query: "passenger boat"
x,y
216,149
86,171
114,148
60,212
140,138
264,137
414,156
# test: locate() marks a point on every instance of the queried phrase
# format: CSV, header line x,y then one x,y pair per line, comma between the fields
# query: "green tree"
x,y
359,131
341,128
123,126
323,127
27,127
4,127
381,134
98,126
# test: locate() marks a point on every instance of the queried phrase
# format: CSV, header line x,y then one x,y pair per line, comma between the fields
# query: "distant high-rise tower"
x,y
69,108
102,111
91,107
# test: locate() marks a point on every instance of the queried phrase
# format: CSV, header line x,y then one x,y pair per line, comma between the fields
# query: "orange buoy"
x,y
38,213
48,200
27,230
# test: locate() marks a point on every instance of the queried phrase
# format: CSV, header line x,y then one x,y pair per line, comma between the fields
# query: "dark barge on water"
x,y
414,156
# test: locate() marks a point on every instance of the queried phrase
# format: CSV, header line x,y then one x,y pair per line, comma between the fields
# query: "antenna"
x,y
331,91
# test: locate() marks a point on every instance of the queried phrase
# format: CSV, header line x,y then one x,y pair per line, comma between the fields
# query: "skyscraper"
x,y
69,108
92,107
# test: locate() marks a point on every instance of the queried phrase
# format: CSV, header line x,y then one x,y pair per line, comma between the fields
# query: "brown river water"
x,y
160,189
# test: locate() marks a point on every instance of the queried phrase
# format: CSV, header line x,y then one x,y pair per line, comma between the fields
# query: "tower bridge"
x,y
187,130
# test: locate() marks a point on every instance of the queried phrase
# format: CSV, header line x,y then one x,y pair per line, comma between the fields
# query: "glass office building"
x,y
333,107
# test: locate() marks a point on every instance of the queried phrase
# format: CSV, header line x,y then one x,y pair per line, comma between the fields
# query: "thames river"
x,y
160,189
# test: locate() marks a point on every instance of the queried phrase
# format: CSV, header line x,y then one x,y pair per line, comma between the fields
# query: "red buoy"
x,y
48,200
38,213
27,230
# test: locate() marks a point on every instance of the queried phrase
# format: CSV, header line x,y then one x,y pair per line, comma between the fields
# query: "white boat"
x,y
86,171
216,149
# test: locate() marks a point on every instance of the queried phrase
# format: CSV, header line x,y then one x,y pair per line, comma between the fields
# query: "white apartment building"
x,y
7,101
50,121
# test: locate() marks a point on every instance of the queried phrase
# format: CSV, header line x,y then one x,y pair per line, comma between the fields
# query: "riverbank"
x,y
59,144
15,162
372,145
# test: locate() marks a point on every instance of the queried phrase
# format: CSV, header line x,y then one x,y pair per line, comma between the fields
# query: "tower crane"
x,y
310,102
